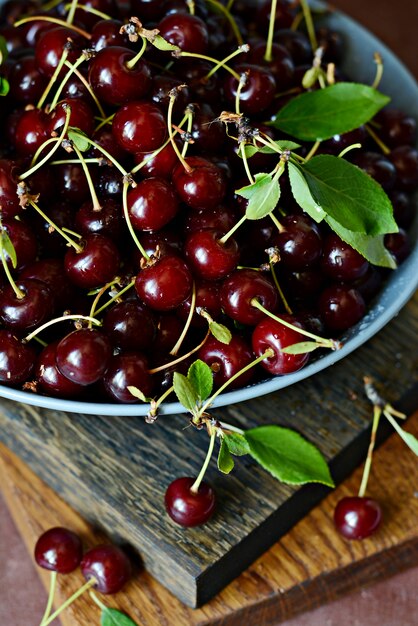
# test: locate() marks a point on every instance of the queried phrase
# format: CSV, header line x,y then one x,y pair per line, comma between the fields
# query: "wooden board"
x,y
114,470
310,565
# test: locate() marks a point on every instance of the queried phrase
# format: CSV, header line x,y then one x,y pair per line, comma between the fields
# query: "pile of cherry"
x,y
178,215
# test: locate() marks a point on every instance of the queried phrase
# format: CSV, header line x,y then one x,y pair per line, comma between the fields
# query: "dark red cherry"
x,y
204,187
95,265
340,261
109,565
332,43
108,221
225,360
398,245
160,93
113,81
240,288
222,218
165,284
26,81
271,334
24,243
341,307
51,271
404,209
258,91
186,507
285,14
105,33
299,243
396,128
71,182
378,167
356,517
169,329
48,377
50,47
125,370
160,164
152,204
130,326
83,355
9,200
24,314
186,31
59,550
207,298
207,132
16,359
405,161
296,43
139,127
151,10
281,66
208,257
31,132
88,19
82,116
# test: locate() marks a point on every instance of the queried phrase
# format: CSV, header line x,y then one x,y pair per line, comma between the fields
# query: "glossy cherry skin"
x,y
130,326
31,132
9,200
405,161
16,359
139,127
207,298
125,370
341,307
59,550
50,46
24,243
165,284
71,181
356,517
258,91
204,187
187,508
396,128
271,334
82,116
222,218
378,167
208,258
186,31
113,82
51,271
108,221
26,81
152,204
240,288
95,265
24,314
105,33
281,66
161,165
340,261
227,360
300,242
109,565
83,356
48,377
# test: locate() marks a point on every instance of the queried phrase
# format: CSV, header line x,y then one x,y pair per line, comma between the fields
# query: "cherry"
x,y
341,307
130,326
398,245
187,508
222,218
16,359
186,31
71,182
49,378
161,87
83,355
203,187
396,128
139,127
169,329
299,243
110,183
240,288
23,241
59,550
51,242
31,132
129,369
104,137
109,566
165,284
113,81
82,116
340,261
96,264
357,517
27,312
160,164
208,257
26,81
296,43
51,271
207,298
150,10
271,334
208,133
404,209
50,47
338,143
258,91
152,204
378,167
302,287
332,43
108,221
9,200
285,14
405,161
281,66
105,33
88,19
225,360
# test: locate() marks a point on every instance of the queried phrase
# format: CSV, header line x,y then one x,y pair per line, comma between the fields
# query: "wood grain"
x,y
114,471
310,565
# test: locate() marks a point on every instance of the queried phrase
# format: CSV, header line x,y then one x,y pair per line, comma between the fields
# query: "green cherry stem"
x,y
239,50
88,9
115,297
52,587
76,161
377,412
332,344
95,200
309,23
241,82
129,223
279,289
105,153
161,368
379,70
354,146
103,121
173,96
246,164
268,55
53,78
195,487
312,151
276,222
19,293
53,20
204,57
227,14
74,66
59,230
131,64
233,429
189,115
377,140
182,337
63,318
72,9
99,295
165,144
88,585
229,234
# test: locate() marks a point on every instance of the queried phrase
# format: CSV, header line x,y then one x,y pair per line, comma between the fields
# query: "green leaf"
x,y
288,456
4,53
302,194
137,393
372,248
79,138
220,332
301,348
113,617
237,444
185,392
164,45
335,110
282,145
349,195
200,377
4,86
263,196
225,460
409,439
8,247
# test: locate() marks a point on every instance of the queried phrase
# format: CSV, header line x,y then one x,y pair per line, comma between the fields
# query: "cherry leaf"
x,y
302,194
113,617
8,248
282,145
408,438
164,45
4,53
185,392
137,393
237,443
4,86
201,378
288,456
335,110
79,138
301,348
225,460
263,196
220,332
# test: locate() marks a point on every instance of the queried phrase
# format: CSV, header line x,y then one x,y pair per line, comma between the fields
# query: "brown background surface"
x,y
392,603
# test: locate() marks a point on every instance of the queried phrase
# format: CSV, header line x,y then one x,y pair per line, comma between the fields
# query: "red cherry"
x,y
186,31
16,359
240,288
187,508
356,517
202,188
152,204
109,565
271,334
227,360
208,257
127,370
165,284
139,127
83,356
58,550
95,265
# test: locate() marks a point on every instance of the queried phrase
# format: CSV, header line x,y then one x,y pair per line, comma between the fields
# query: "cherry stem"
x,y
266,355
276,222
324,343
104,121
297,21
227,13
312,151
94,198
57,144
171,135
107,154
161,368
195,55
246,164
195,487
229,234
90,583
53,20
131,64
156,403
279,289
115,297
191,6
189,115
239,50
52,587
354,146
379,70
59,230
53,79
268,55
72,69
309,24
71,12
377,412
156,152
233,429
63,318
99,295
377,140
241,82
97,161
129,223
230,5
96,600
88,9
180,340
19,293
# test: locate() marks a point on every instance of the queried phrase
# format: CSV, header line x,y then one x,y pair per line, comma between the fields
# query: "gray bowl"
x,y
401,86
